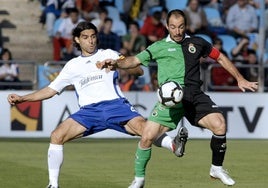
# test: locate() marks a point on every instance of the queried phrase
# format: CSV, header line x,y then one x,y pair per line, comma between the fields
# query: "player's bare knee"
x,y
56,138
219,127
146,141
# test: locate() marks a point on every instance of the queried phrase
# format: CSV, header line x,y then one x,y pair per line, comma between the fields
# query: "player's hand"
x,y
13,99
246,85
109,64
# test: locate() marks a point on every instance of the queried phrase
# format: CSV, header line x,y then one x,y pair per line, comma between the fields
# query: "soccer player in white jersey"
x,y
102,104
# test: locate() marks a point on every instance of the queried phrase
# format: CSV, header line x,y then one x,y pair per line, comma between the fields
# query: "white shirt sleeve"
x,y
63,79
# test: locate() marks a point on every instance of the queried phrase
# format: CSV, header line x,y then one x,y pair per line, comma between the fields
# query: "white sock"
x,y
167,143
55,159
139,178
216,167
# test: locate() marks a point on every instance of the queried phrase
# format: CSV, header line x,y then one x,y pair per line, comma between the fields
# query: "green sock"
x,y
142,158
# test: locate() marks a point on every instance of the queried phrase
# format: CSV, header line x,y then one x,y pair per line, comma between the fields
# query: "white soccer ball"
x,y
170,93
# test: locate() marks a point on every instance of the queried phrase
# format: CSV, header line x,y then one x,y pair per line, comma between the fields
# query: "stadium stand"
x,y
119,27
213,14
25,16
28,76
154,9
113,13
206,37
215,23
174,4
2,12
229,43
119,5
28,41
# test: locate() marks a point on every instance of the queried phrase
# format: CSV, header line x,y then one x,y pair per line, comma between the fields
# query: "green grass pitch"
x,y
108,163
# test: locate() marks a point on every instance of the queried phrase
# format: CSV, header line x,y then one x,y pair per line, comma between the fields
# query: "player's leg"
x,y
67,130
150,131
135,125
143,152
170,118
176,144
216,123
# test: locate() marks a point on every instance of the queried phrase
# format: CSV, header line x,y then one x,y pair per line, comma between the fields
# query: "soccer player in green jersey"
x,y
177,57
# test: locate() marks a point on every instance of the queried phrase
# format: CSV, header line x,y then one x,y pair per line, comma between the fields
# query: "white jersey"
x,y
92,85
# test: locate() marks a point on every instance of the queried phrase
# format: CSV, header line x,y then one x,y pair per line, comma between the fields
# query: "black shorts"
x,y
198,106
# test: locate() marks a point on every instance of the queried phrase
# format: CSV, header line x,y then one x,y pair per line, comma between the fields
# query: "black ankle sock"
x,y
158,141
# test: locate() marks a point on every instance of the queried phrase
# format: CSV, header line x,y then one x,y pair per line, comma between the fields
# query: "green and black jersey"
x,y
181,62
177,61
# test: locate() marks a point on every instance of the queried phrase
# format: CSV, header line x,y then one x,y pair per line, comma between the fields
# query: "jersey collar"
x,y
168,39
91,54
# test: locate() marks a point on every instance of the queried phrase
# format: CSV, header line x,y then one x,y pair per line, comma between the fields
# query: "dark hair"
x,y
71,10
81,27
164,10
177,13
251,51
5,50
108,19
103,10
135,23
216,40
157,15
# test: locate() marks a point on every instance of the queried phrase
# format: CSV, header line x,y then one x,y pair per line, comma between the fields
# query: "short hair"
x,y
177,13
251,51
135,23
157,15
217,40
103,10
72,10
108,19
81,27
6,50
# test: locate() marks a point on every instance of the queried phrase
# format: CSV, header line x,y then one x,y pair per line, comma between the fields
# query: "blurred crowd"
x,y
129,26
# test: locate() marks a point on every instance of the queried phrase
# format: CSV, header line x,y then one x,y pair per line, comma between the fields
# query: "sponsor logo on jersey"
x,y
172,49
90,79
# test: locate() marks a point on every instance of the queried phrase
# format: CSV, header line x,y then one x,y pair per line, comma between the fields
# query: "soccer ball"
x,y
170,93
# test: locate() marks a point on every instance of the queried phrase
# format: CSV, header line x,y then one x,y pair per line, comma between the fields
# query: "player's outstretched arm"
x,y
42,94
243,84
122,63
130,64
137,71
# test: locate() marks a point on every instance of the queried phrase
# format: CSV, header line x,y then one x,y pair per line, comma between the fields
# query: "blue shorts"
x,y
113,114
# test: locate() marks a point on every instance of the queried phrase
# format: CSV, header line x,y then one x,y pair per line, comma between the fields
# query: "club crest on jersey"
x,y
154,113
191,48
